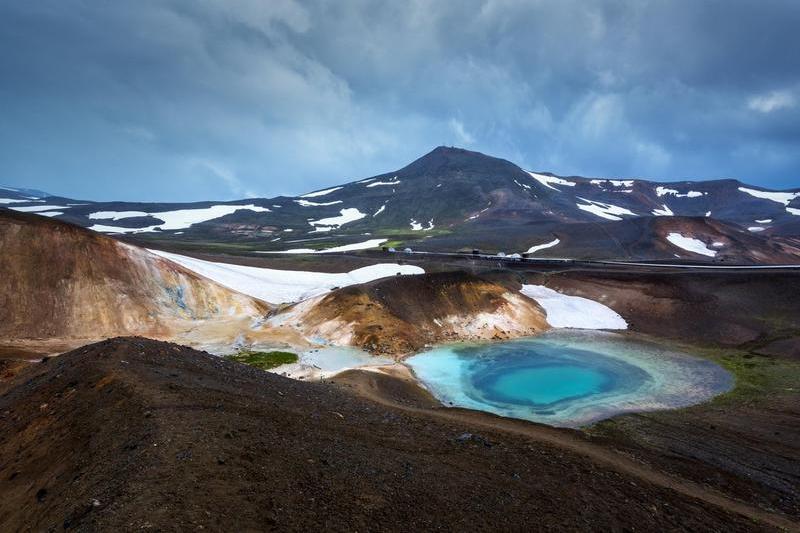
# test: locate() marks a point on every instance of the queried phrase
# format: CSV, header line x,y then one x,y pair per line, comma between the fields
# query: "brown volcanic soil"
x,y
61,281
736,308
400,315
131,434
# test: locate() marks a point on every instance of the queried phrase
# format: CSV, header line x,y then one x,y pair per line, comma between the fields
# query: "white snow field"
x,y
307,203
662,191
348,214
779,197
613,183
320,193
178,219
604,210
665,212
282,286
547,181
573,311
394,181
536,248
116,215
12,201
37,208
417,226
690,244
372,243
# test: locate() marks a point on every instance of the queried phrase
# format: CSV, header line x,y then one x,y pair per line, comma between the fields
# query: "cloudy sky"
x,y
222,99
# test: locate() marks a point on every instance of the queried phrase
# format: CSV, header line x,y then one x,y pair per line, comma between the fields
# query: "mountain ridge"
x,y
442,201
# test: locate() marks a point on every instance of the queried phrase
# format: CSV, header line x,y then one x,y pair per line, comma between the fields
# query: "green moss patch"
x,y
263,360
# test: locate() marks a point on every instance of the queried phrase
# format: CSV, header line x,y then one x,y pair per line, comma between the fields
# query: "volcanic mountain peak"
x,y
449,199
446,159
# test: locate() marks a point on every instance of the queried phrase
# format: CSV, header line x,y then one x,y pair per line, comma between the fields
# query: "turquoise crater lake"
x,y
567,377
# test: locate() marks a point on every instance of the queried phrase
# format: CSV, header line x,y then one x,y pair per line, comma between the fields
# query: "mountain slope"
x,y
62,281
447,200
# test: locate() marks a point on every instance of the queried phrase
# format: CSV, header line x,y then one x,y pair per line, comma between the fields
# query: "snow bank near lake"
x,y
573,311
279,286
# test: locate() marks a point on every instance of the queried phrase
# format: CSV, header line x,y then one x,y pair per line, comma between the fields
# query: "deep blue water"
x,y
566,378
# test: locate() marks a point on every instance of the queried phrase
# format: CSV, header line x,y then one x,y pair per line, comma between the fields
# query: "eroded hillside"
x,y
62,281
401,315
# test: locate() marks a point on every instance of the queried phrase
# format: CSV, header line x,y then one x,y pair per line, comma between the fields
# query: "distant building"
x,y
392,250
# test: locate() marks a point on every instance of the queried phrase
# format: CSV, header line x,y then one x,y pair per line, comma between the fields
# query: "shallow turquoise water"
x,y
567,378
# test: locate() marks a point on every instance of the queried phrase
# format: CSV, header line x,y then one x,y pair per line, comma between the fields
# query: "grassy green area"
x,y
409,234
263,360
756,376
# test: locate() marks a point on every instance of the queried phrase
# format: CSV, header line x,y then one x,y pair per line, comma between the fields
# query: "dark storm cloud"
x,y
196,99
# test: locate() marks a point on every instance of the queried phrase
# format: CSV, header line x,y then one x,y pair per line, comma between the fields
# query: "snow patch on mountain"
x,y
604,210
663,191
380,210
320,193
348,214
365,245
613,183
417,226
548,181
307,203
779,197
36,208
103,228
755,229
379,183
690,244
479,213
116,215
537,247
665,212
